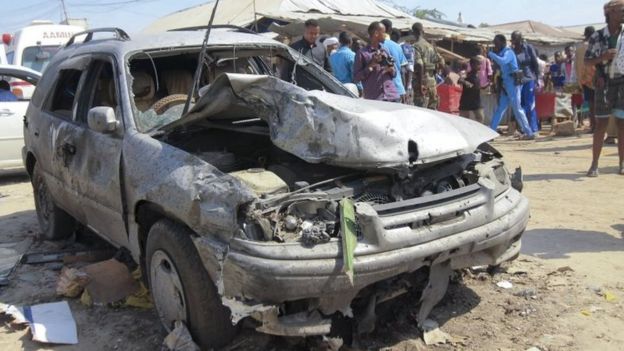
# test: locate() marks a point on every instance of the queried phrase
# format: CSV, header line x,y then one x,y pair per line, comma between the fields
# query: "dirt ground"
x,y
567,294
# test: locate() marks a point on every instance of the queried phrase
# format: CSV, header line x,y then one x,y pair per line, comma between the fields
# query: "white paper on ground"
x,y
52,323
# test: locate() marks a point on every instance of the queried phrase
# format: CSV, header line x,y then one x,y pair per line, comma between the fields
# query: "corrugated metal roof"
x,y
334,15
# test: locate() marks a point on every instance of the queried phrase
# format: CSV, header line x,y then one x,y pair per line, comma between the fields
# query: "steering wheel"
x,y
167,102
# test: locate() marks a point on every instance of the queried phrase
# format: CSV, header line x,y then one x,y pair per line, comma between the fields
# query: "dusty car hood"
x,y
322,127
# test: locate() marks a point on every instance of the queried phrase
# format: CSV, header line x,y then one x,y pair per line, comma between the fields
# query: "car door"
x,y
94,166
12,116
50,132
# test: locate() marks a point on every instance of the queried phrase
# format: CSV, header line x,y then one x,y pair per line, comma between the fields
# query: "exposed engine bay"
x,y
299,201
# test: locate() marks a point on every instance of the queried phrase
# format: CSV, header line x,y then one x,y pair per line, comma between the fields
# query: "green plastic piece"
x,y
348,231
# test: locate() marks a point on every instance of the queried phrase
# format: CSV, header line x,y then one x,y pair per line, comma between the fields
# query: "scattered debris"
x,y
141,298
505,284
586,313
555,281
10,255
49,322
527,293
110,281
432,335
522,311
68,256
71,282
533,349
179,339
609,296
562,270
332,344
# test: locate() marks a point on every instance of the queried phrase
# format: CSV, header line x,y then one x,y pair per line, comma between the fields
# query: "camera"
x,y
387,60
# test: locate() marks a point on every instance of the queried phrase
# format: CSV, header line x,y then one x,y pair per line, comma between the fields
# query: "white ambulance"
x,y
34,45
3,59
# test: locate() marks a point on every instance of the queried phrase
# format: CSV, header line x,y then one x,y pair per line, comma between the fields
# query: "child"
x,y
470,103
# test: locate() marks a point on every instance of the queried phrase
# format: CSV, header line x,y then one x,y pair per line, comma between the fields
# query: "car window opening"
x,y
162,81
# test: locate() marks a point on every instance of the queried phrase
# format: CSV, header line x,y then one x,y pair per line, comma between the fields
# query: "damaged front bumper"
x,y
465,227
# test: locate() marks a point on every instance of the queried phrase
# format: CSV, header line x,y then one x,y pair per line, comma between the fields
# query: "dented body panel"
x,y
320,127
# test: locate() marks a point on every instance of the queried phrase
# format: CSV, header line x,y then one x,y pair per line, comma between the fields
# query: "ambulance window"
x,y
65,93
38,57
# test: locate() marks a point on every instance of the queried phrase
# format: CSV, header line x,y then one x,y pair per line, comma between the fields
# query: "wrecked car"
x,y
280,199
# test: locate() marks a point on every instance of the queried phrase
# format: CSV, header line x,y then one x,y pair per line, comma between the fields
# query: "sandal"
x,y
526,137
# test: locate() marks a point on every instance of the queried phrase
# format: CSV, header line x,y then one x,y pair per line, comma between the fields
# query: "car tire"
x,y
181,287
55,223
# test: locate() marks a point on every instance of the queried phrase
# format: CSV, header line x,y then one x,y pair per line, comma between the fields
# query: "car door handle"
x,y
6,112
69,149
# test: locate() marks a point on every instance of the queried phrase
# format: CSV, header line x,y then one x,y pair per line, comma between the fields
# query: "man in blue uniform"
x,y
512,86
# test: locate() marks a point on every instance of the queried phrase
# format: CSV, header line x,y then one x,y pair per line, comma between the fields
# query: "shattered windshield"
x,y
161,81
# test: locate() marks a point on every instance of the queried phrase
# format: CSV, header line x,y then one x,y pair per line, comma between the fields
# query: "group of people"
x,y
408,72
390,70
382,69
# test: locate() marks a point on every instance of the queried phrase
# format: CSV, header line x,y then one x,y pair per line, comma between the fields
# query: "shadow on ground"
x,y
554,176
8,179
575,177
558,149
396,319
559,243
18,225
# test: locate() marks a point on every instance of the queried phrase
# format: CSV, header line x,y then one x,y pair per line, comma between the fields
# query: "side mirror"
x,y
102,119
352,88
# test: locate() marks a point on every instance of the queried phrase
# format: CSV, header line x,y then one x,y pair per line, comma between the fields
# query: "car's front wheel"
x,y
182,289
55,223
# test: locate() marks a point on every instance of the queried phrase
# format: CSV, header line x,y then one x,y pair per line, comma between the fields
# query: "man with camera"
x,y
374,67
512,80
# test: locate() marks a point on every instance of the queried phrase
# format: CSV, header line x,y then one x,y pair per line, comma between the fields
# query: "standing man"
x,y
308,45
407,71
585,75
569,70
373,67
426,60
397,56
608,82
527,62
511,90
343,59
557,76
